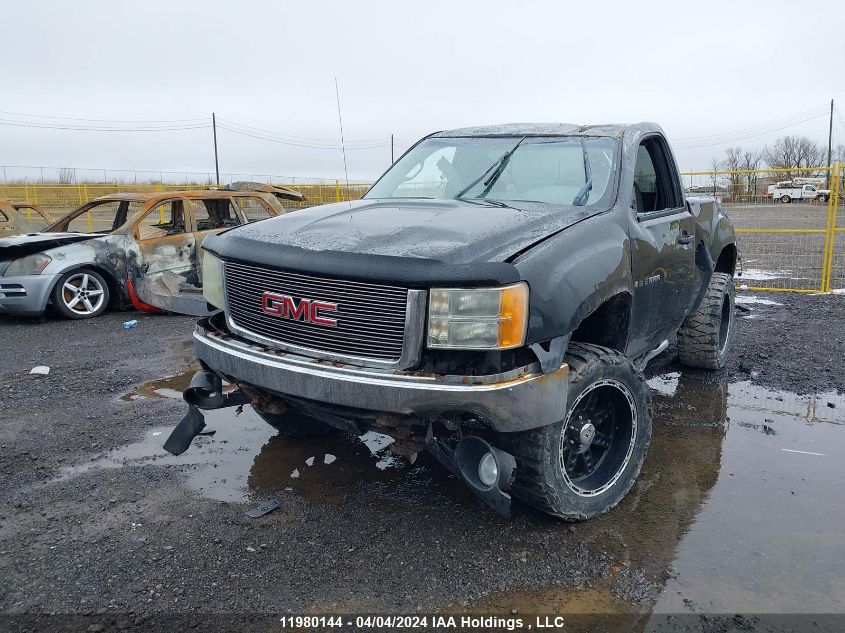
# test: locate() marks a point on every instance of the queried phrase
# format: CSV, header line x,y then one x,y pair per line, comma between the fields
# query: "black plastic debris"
x,y
188,428
263,508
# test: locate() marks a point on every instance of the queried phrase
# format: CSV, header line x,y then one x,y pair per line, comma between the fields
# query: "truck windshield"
x,y
554,170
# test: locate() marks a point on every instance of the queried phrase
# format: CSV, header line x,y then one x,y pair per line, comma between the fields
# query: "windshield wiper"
x,y
497,168
583,193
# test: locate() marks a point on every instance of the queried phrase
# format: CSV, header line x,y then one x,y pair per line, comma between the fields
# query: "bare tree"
x,y
732,163
66,175
749,162
793,152
716,165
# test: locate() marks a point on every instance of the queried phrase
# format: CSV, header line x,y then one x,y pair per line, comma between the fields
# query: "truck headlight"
x,y
212,279
478,318
29,265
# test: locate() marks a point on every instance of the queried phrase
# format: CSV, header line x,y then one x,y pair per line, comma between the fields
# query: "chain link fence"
x,y
59,199
787,223
796,246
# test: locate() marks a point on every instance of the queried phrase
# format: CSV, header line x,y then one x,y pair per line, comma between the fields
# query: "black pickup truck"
x,y
493,299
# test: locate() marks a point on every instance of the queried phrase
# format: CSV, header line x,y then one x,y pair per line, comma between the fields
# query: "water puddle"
x,y
245,458
167,387
170,386
737,509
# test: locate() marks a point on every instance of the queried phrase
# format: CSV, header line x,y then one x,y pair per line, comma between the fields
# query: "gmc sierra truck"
x,y
492,299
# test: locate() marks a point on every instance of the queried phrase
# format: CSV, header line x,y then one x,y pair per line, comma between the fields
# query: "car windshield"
x,y
554,170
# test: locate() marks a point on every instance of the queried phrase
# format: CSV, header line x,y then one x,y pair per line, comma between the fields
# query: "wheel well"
x,y
727,260
608,324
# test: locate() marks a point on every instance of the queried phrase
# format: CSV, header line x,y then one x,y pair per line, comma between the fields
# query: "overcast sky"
x,y
708,73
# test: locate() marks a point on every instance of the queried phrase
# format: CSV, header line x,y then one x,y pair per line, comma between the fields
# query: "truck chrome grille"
x,y
370,317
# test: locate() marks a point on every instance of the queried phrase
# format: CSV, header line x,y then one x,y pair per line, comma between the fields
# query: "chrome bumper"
x,y
512,401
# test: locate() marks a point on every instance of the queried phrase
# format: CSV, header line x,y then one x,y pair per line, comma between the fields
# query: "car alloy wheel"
x,y
83,294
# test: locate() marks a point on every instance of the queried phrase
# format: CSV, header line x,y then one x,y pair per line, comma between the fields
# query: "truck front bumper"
x,y
517,400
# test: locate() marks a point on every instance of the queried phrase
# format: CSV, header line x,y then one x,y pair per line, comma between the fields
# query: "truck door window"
x,y
214,214
654,183
166,218
253,209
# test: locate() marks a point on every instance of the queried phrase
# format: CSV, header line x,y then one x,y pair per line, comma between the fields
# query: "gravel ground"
x,y
125,545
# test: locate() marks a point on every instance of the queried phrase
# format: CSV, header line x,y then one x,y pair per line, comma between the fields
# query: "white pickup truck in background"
x,y
788,191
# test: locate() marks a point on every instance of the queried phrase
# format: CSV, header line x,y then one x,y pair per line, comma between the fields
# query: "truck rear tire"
x,y
822,198
292,423
705,336
785,199
585,464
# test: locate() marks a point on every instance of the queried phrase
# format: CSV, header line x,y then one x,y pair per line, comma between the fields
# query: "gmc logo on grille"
x,y
307,310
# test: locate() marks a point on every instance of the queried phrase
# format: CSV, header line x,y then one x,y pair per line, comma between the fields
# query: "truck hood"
x,y
448,231
23,245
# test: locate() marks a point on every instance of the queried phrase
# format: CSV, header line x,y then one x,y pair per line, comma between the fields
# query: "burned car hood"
x,y
407,240
23,245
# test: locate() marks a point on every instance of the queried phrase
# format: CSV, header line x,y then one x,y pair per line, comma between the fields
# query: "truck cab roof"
x,y
611,130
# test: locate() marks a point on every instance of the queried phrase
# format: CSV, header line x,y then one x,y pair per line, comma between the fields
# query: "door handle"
x,y
685,238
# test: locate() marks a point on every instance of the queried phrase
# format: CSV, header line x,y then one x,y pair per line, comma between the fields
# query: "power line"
x,y
724,141
89,128
777,122
285,136
64,118
293,144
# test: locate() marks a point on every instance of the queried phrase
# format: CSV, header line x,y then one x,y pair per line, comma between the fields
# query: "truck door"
x,y
662,248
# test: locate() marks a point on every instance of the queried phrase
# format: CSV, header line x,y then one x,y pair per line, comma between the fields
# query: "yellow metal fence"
x,y
792,247
58,199
796,247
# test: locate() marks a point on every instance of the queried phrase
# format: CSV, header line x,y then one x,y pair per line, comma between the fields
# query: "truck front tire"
x,y
585,464
705,336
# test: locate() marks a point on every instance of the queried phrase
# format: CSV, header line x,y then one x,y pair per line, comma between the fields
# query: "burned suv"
x,y
127,249
492,299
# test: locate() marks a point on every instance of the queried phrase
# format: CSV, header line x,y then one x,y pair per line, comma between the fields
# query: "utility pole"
x,y
391,149
216,164
830,145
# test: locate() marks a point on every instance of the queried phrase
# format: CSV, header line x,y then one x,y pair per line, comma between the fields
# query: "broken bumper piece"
x,y
488,471
204,392
512,401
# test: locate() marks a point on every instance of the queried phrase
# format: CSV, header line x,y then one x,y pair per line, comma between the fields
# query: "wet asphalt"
x,y
738,508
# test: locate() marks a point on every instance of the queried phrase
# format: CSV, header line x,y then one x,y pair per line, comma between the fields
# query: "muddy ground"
x,y
739,507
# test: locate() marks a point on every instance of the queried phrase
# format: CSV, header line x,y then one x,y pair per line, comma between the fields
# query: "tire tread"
x,y
698,337
534,448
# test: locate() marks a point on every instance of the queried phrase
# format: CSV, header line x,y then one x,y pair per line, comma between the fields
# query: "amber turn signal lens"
x,y
513,315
